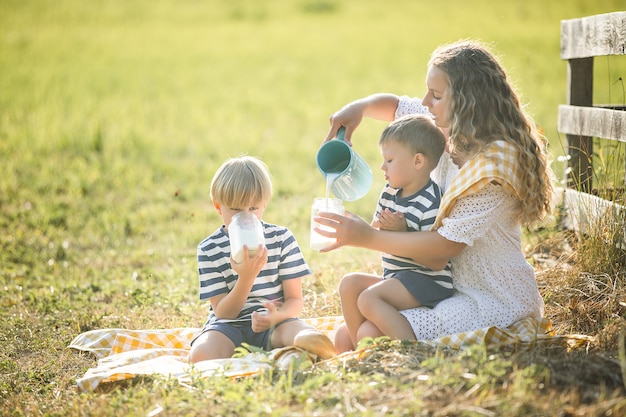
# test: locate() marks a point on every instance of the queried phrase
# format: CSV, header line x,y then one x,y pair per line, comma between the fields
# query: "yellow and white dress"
x,y
495,284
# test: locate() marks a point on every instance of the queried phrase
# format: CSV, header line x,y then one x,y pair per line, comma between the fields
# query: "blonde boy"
x,y
258,300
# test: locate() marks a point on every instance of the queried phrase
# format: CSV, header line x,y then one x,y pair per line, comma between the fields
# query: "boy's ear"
x,y
217,207
419,160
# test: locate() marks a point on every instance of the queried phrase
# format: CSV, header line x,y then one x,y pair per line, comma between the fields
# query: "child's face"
x,y
436,98
400,165
227,213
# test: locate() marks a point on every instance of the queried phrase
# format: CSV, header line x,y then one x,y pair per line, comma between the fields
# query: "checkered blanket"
x,y
124,354
496,164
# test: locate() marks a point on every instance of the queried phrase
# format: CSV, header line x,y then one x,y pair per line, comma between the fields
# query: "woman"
x,y
496,178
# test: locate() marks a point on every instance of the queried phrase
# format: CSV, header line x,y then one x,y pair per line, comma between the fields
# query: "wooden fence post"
x,y
579,147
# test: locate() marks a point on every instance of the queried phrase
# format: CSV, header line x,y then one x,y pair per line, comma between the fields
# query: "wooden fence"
x,y
582,40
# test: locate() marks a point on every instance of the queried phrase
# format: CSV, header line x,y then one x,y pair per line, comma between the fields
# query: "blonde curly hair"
x,y
483,108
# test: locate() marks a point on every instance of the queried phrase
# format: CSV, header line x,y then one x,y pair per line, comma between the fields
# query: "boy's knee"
x,y
366,300
197,354
342,341
348,283
368,329
211,345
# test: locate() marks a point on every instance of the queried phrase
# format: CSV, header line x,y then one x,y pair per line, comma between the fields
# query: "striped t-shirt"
x,y
285,261
420,211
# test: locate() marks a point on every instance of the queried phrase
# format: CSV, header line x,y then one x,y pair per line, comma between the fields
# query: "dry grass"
x,y
577,300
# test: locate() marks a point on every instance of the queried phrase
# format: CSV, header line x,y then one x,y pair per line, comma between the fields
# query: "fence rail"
x,y
582,40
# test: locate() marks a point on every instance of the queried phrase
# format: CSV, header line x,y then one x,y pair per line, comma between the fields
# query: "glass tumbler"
x,y
331,205
245,229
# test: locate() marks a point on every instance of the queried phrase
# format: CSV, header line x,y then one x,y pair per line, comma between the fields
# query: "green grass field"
x,y
115,115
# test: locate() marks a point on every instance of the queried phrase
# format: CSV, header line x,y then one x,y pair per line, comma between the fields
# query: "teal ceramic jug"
x,y
351,176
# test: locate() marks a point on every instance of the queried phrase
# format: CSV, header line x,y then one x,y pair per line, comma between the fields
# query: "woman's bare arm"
x,y
426,248
381,106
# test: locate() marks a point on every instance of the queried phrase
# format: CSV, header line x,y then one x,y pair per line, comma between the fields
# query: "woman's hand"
x,y
349,229
427,248
381,106
349,116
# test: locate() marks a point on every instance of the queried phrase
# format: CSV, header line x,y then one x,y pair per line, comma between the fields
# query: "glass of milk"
x,y
245,229
331,205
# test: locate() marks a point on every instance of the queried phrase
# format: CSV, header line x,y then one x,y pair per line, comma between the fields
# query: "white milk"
x,y
330,178
245,229
331,205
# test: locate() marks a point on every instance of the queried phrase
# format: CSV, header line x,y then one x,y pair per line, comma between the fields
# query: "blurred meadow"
x,y
114,116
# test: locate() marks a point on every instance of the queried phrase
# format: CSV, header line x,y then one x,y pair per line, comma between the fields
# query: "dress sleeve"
x,y
473,216
410,105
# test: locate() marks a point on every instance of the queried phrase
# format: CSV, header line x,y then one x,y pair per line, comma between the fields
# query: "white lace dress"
x,y
495,284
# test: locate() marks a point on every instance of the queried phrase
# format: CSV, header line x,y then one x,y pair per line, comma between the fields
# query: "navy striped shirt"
x,y
420,211
285,261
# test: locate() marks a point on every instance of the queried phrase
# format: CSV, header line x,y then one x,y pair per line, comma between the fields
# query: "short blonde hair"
x,y
419,134
241,182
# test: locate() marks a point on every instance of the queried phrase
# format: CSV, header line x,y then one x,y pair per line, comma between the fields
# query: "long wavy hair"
x,y
483,108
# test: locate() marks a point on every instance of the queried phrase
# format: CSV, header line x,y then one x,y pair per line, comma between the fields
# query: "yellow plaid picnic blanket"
x,y
496,164
125,354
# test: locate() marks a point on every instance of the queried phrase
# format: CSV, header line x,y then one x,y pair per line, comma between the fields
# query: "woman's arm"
x,y
381,106
426,248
